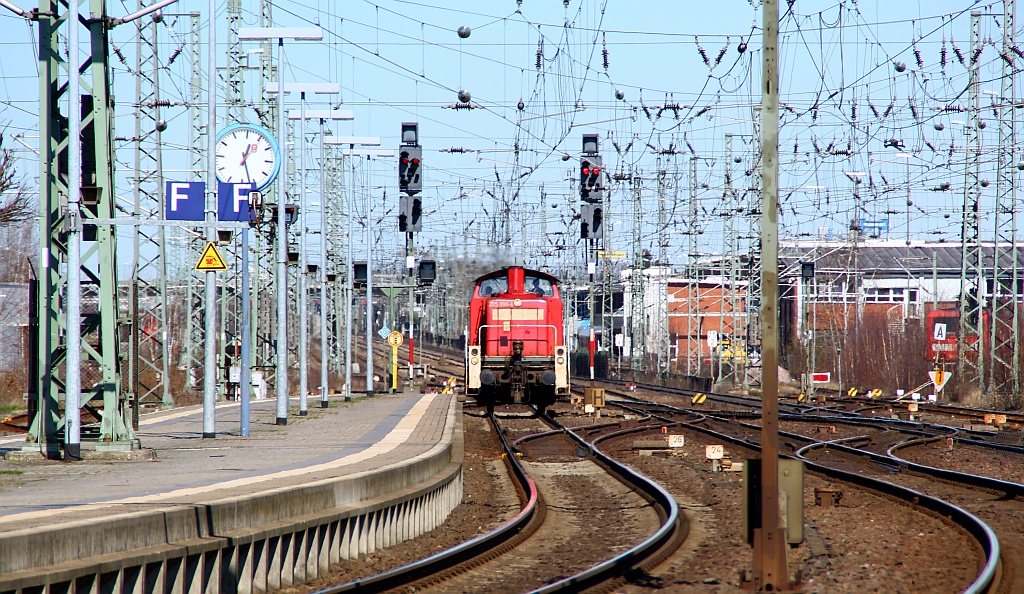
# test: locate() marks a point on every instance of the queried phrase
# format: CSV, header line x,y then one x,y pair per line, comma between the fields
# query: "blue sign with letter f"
x,y
185,201
233,201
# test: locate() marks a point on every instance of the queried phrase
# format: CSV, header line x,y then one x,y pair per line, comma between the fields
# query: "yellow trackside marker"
x,y
698,398
876,393
801,398
852,393
211,260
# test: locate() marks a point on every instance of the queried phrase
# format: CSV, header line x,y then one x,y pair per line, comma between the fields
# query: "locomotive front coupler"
x,y
517,352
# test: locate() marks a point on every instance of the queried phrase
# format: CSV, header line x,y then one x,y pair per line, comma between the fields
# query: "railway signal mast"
x,y
410,211
591,220
591,191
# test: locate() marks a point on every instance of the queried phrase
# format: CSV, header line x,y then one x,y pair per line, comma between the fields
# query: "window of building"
x,y
890,295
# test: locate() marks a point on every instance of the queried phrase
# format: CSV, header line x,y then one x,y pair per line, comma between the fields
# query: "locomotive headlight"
x,y
560,360
475,360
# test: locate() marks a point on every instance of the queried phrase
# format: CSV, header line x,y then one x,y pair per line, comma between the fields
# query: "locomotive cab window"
x,y
493,286
539,286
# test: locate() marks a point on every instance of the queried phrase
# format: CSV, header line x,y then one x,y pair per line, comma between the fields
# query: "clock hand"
x,y
245,155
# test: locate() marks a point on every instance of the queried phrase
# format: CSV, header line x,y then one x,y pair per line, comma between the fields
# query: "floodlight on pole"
x,y
15,9
323,115
280,34
303,88
352,141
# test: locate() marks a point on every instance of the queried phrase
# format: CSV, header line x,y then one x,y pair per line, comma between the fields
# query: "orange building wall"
x,y
712,314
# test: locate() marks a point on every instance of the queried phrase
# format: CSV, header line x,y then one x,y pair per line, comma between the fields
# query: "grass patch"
x,y
14,472
10,407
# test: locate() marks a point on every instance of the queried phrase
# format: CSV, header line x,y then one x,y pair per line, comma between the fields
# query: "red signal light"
x,y
586,171
405,161
415,161
597,170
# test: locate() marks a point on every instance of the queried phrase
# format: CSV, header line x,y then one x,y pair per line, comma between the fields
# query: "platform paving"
x,y
344,439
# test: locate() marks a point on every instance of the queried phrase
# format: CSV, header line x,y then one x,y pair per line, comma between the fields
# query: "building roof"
x,y
888,259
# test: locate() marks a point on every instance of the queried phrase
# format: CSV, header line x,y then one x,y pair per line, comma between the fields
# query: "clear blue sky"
x,y
403,61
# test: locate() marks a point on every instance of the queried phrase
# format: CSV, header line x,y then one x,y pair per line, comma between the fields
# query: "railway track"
x,y
970,504
538,550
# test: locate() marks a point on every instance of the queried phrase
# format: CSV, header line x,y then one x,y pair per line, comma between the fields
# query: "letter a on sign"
x,y
211,260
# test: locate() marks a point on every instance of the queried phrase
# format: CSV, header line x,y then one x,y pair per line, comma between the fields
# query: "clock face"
x,y
247,153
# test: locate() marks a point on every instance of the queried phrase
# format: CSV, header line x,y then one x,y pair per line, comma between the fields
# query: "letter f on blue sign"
x,y
185,201
233,201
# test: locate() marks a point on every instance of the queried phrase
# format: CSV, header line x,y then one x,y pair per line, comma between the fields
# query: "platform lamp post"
x,y
352,142
301,115
280,34
323,115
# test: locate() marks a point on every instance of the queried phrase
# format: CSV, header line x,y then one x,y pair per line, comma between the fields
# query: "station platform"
x,y
339,482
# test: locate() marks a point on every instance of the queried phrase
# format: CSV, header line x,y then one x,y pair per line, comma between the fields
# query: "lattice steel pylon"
x,y
971,362
264,303
233,73
752,301
606,307
661,318
196,328
1004,367
149,357
292,128
638,307
229,286
729,297
100,362
334,169
693,366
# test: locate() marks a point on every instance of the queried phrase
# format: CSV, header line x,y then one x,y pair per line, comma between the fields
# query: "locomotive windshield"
x,y
539,286
493,286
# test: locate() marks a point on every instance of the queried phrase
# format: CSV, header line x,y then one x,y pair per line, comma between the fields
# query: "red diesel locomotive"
x,y
515,351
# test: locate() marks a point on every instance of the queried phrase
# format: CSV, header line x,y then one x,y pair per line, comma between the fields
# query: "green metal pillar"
x,y
101,366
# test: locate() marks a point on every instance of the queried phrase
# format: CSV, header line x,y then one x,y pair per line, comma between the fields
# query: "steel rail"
x,y
662,501
450,558
978,529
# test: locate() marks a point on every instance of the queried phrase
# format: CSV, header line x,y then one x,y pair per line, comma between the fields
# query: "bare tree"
x,y
17,248
15,206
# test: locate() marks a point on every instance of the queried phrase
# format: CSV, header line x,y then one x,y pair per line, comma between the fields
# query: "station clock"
x,y
247,153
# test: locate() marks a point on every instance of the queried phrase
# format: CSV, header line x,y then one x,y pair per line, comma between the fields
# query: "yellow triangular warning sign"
x,y
211,259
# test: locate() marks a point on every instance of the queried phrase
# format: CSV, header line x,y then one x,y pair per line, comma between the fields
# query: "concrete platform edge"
x,y
329,520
